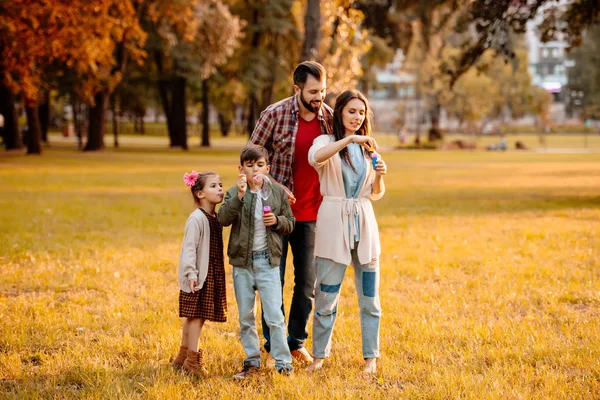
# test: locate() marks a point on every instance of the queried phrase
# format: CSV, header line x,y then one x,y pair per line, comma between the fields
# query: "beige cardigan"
x,y
195,250
332,239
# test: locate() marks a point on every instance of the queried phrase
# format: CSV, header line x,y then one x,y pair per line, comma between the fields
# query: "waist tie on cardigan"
x,y
350,209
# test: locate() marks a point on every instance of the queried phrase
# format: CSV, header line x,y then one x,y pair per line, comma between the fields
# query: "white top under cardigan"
x,y
195,251
332,239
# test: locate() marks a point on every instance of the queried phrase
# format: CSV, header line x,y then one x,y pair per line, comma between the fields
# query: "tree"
x,y
343,46
312,24
584,77
190,40
269,51
50,35
496,23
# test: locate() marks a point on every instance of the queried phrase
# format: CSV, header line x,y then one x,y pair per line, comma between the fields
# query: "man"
x,y
287,130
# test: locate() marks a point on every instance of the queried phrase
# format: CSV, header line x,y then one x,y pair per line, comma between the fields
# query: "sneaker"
x,y
245,372
287,370
302,356
270,363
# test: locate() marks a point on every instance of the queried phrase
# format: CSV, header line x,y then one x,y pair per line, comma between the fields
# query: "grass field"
x,y
490,280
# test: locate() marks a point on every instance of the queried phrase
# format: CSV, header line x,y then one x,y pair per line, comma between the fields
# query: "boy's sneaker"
x,y
245,372
287,370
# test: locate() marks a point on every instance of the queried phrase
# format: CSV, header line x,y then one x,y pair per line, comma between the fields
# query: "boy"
x,y
254,251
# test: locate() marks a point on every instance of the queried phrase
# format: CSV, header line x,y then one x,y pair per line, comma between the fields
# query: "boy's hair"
x,y
253,152
308,68
200,183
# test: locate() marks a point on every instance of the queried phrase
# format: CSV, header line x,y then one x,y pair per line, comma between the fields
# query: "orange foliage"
x,y
80,35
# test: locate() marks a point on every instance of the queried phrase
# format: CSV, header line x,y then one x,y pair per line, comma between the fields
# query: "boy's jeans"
x,y
265,279
302,242
327,294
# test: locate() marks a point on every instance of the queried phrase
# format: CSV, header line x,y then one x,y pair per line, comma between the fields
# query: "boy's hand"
x,y
193,285
242,185
269,219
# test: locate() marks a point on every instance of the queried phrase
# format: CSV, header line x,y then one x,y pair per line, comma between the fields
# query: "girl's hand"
x,y
381,168
270,219
242,185
193,285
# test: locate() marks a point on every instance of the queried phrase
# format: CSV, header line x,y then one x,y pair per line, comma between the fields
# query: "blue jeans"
x,y
264,279
302,241
329,281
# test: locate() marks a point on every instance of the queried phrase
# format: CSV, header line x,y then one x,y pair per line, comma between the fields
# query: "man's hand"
x,y
290,195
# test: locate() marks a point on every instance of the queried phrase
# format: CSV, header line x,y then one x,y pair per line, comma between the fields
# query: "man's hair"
x,y
308,68
253,152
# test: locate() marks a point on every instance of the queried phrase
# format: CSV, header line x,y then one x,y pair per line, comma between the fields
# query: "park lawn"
x,y
490,280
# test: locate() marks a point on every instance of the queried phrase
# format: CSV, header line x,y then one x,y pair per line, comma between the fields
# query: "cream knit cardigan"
x,y
195,250
332,239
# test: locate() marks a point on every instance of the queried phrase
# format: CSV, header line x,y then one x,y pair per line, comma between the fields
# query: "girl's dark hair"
x,y
200,183
308,68
339,132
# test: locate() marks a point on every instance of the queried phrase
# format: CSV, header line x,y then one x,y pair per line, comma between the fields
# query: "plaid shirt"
x,y
276,131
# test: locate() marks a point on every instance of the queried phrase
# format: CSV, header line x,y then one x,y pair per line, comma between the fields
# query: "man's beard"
x,y
309,106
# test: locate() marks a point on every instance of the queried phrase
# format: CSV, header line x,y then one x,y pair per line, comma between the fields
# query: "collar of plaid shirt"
x,y
276,130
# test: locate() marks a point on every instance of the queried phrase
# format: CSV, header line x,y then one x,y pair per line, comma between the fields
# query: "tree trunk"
x,y
12,139
253,105
115,122
434,132
44,117
34,131
312,28
97,124
252,113
205,126
225,124
178,113
174,107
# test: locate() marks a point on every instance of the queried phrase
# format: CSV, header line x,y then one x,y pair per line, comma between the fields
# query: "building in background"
x,y
548,63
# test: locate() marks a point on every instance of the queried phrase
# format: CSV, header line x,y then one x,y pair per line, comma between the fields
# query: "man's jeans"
x,y
266,280
302,241
329,281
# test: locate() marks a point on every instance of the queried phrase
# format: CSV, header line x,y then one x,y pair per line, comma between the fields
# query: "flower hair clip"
x,y
191,178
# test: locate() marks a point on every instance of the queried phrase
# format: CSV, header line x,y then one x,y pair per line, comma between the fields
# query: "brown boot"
x,y
178,361
193,363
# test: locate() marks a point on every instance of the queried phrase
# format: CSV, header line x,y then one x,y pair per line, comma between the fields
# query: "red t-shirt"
x,y
306,180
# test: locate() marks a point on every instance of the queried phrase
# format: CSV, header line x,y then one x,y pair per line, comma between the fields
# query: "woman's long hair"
x,y
339,132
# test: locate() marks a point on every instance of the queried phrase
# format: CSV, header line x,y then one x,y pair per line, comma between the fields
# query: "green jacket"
x,y
240,214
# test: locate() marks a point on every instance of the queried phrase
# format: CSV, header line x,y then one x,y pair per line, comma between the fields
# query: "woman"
x,y
346,229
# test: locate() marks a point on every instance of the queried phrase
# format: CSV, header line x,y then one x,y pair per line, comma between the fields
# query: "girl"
x,y
346,230
201,270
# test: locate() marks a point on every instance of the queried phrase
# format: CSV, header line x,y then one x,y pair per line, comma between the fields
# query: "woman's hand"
x,y
367,142
194,285
381,168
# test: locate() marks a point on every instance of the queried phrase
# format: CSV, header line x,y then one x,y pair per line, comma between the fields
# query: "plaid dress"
x,y
210,302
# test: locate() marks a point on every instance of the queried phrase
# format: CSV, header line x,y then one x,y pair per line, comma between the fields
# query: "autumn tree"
x,y
269,51
189,40
37,44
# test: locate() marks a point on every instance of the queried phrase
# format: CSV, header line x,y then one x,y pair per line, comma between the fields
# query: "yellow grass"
x,y
490,281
